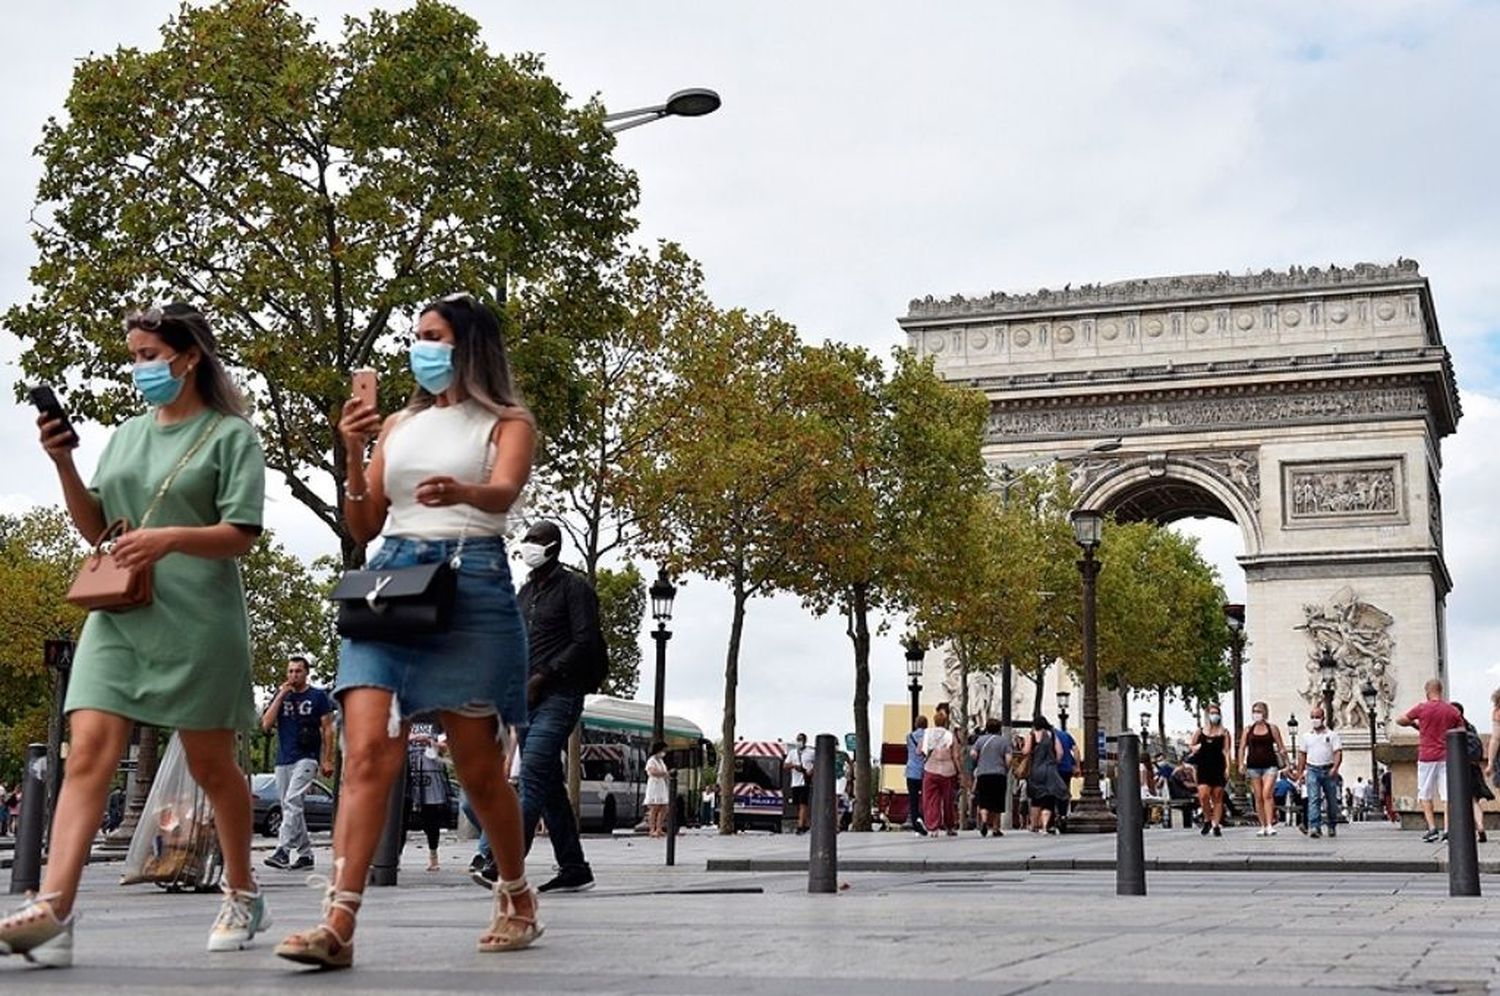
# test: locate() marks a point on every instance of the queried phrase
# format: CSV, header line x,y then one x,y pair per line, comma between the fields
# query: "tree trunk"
x,y
1161,717
1124,707
731,683
859,632
1041,681
962,732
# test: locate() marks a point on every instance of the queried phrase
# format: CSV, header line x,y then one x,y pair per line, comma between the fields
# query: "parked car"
x,y
318,805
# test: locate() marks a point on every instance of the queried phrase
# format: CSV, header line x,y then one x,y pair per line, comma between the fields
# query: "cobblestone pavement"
x,y
651,929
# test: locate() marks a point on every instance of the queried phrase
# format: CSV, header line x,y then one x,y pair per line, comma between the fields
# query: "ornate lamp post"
x,y
915,652
1145,734
691,103
1328,669
1291,731
1063,698
1371,696
1091,815
662,594
1234,617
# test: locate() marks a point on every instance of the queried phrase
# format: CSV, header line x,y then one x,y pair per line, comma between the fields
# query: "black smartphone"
x,y
46,402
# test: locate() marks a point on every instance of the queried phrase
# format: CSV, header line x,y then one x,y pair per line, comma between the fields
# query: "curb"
x,y
1427,866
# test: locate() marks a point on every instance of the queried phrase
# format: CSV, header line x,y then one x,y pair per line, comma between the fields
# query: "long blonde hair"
x,y
480,363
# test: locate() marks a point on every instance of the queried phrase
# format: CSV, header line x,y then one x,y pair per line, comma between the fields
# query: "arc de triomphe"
x,y
1307,407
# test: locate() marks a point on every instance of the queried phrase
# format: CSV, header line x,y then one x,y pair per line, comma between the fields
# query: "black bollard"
x,y
1463,849
385,867
1130,825
672,818
26,866
823,858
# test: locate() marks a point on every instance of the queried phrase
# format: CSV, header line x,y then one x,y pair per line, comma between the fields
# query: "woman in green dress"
x,y
184,660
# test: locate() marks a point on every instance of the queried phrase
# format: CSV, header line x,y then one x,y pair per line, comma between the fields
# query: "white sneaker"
x,y
36,934
1270,831
242,915
1261,832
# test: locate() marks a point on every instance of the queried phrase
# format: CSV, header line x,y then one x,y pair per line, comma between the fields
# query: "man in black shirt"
x,y
568,661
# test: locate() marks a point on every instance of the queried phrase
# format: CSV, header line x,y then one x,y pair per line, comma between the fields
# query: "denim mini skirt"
x,y
477,667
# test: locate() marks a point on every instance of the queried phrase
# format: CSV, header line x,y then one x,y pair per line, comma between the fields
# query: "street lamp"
x,y
662,593
58,654
1371,696
915,652
691,103
1328,669
1063,698
1145,731
1092,815
1234,617
1291,729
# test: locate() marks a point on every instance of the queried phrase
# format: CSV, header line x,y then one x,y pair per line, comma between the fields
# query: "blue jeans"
x,y
914,802
1322,785
483,846
543,792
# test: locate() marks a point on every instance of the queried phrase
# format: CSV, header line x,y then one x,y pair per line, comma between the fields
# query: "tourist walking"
x,y
799,763
1319,758
1479,789
1067,767
1044,782
991,755
188,477
941,764
1210,750
1262,754
4,811
658,794
427,788
1433,717
914,776
302,717
443,474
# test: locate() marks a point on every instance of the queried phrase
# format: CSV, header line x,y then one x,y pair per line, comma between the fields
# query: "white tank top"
x,y
452,441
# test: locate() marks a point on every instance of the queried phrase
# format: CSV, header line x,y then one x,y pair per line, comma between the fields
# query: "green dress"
x,y
184,660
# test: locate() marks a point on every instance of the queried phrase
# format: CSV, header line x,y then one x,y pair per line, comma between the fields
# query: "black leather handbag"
x,y
391,604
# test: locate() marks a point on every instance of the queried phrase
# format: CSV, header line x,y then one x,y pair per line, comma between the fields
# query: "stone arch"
x,y
1165,490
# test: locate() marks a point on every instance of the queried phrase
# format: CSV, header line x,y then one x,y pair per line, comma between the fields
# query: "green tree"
x,y
289,612
622,607
39,556
728,486
906,453
309,194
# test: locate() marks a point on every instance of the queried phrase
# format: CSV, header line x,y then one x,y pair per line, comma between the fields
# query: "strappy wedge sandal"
x,y
324,946
509,929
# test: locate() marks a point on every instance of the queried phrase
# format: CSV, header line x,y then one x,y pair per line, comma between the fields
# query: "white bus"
x,y
616,742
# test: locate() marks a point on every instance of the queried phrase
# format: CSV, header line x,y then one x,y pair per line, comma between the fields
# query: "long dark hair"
x,y
182,327
480,364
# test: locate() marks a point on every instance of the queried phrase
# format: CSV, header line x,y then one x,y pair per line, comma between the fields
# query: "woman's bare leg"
x,y
480,763
210,757
96,741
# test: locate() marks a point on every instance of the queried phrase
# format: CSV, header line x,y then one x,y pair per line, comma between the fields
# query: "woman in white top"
x,y
426,488
658,797
942,765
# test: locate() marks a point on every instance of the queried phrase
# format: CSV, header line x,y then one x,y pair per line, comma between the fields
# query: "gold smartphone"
x,y
364,384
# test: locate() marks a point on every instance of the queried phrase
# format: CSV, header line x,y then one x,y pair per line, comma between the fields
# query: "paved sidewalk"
x,y
651,929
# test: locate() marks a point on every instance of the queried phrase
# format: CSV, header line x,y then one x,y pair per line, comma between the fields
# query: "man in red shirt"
x,y
1433,719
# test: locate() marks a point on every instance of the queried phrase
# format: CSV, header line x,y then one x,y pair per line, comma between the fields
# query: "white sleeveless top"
x,y
452,441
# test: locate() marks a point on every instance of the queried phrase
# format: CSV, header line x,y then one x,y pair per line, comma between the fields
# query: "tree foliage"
x,y
310,194
622,607
289,613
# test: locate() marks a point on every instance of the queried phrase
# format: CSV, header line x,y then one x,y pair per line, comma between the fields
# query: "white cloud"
x,y
868,153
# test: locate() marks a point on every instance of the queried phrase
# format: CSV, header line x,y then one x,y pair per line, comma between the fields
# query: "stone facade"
x,y
1307,406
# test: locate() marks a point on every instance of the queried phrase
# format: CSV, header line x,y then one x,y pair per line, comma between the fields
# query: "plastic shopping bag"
x,y
175,845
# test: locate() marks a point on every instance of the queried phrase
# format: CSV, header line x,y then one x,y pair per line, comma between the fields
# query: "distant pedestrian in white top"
x,y
658,796
799,761
1321,754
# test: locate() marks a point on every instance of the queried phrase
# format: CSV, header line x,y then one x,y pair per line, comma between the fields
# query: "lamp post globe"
x,y
916,652
1091,814
1328,670
693,102
662,592
1291,730
1063,698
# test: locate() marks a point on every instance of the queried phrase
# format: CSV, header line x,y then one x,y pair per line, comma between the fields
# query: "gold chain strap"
x,y
161,492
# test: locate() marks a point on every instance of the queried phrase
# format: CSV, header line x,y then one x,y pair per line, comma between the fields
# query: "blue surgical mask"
x,y
153,378
432,365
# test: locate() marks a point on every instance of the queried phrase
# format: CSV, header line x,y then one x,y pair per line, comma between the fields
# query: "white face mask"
x,y
1317,724
1259,717
533,555
1214,718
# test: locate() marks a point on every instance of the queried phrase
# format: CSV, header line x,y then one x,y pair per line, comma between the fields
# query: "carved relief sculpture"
x,y
1357,634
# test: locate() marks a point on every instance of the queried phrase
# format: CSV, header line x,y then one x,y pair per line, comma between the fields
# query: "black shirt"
x,y
561,613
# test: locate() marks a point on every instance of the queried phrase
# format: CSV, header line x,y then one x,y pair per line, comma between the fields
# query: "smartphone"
x,y
364,381
46,402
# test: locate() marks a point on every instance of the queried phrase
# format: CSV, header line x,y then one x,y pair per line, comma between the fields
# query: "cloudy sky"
x,y
868,153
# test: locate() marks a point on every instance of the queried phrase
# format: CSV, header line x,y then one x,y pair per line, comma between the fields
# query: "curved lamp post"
x,y
1091,814
662,594
916,651
693,102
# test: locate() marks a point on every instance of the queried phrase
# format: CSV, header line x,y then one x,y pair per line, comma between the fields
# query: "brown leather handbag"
x,y
105,585
102,584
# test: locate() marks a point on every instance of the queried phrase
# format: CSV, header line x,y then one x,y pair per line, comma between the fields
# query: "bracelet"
x,y
351,496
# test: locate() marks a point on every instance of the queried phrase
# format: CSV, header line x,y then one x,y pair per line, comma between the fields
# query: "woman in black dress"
x,y
1211,747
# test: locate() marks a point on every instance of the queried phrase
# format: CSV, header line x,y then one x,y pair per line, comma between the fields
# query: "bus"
x,y
616,742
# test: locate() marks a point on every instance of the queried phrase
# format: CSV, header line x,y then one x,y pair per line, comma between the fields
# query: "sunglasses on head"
x,y
150,320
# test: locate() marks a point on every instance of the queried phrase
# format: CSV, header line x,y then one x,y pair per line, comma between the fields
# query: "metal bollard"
x,y
823,858
385,867
26,866
1130,827
1463,849
672,801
